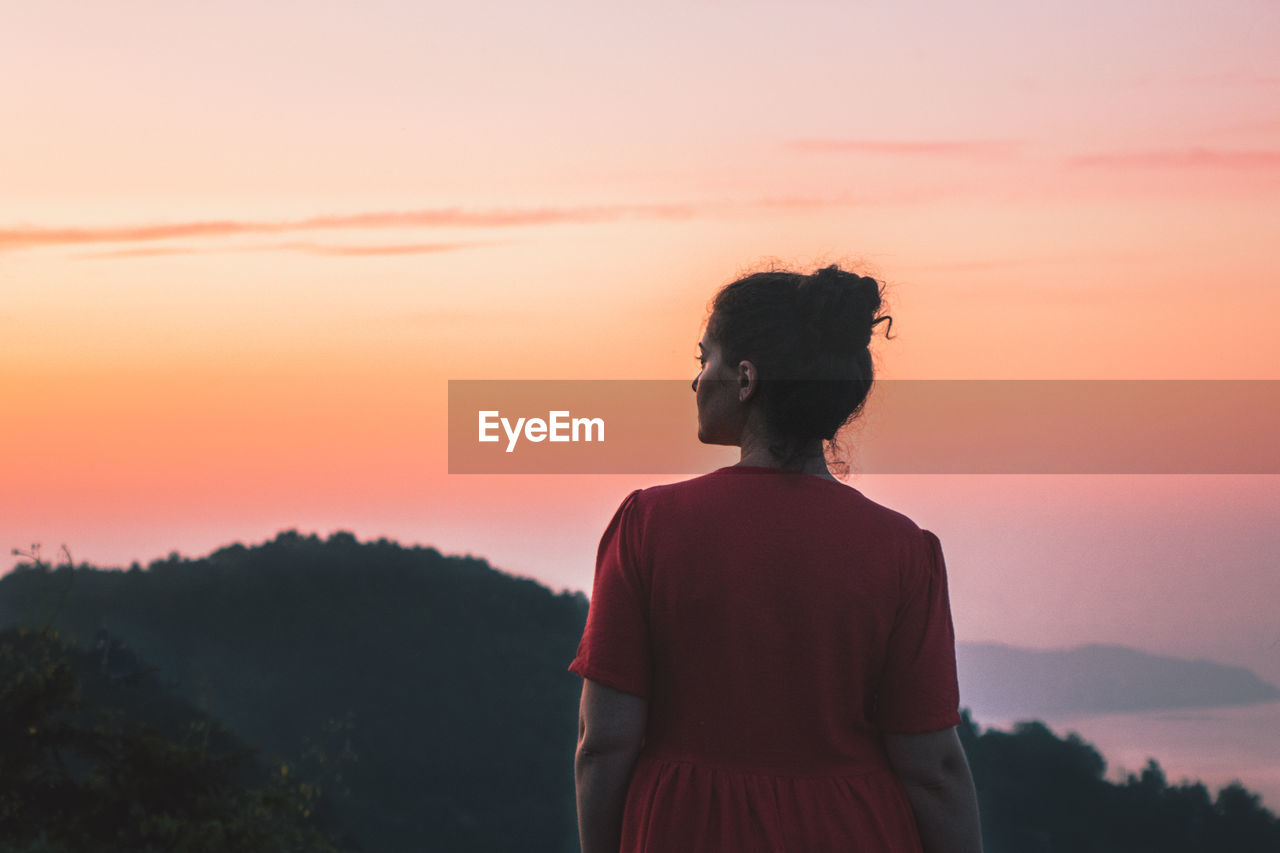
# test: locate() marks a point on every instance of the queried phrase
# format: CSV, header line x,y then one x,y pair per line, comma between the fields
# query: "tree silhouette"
x,y
78,773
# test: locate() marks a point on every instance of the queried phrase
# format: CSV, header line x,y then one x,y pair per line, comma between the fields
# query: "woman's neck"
x,y
815,465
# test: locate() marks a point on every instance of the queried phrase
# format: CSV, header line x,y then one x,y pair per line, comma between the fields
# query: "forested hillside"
x,y
426,698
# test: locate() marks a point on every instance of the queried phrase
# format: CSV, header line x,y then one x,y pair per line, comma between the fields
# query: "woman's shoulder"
x,y
800,493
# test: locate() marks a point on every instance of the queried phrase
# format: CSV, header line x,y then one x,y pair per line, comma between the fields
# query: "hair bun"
x,y
841,306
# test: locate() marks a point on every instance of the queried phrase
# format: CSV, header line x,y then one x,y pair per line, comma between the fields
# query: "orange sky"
x,y
242,251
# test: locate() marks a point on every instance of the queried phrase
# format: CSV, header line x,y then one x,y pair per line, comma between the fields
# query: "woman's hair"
x,y
808,337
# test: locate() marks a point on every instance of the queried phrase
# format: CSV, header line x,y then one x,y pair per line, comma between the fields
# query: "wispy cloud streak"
x,y
361,250
1234,79
148,252
1188,158
23,237
372,250
1040,261
936,148
29,237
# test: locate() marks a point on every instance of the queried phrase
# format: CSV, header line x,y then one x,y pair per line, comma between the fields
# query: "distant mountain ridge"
x,y
1001,681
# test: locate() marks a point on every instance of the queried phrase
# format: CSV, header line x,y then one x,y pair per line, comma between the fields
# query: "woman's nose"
x,y
695,385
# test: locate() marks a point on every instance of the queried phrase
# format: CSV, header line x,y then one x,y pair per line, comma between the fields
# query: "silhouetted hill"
x,y
428,696
999,681
428,693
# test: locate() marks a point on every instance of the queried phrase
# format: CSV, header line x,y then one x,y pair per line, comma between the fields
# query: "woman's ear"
x,y
746,380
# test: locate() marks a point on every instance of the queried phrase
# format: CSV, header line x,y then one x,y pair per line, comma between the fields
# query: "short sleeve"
x,y
919,691
614,650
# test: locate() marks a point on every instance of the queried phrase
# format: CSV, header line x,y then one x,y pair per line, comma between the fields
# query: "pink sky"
x,y
243,249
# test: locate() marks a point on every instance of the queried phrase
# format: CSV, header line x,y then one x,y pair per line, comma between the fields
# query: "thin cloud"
x,y
1236,79
936,148
113,254
1188,158
363,250
895,196
372,250
28,237
24,237
800,202
1232,79
1044,260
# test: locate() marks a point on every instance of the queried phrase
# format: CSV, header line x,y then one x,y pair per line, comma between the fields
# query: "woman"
x,y
769,659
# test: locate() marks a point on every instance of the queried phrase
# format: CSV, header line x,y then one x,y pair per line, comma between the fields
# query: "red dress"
x,y
777,623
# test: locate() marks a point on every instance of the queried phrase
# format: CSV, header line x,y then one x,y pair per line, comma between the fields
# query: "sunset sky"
x,y
243,248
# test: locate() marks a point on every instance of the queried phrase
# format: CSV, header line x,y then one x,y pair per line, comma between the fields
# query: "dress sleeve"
x,y
919,691
614,650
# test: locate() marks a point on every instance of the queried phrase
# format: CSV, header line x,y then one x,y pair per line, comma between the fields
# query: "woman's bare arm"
x,y
933,768
611,728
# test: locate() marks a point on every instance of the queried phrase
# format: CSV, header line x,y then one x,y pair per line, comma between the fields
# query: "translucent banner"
x,y
909,426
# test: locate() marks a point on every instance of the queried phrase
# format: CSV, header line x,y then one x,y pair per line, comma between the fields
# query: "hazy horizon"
x,y
1168,564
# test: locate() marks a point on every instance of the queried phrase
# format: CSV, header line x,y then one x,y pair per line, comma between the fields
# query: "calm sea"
x,y
1212,745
